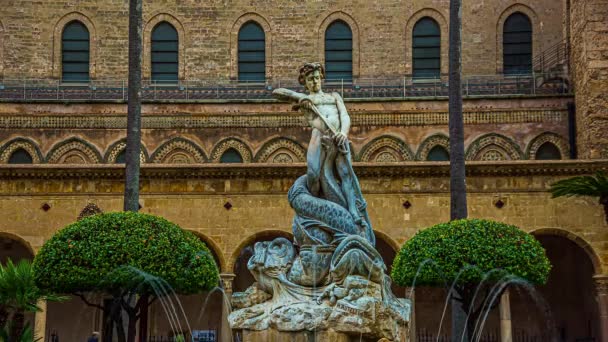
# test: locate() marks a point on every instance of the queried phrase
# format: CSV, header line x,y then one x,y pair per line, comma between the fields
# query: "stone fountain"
x,y
330,283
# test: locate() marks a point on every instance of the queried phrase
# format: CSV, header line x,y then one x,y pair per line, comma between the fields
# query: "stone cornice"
x,y
258,170
281,119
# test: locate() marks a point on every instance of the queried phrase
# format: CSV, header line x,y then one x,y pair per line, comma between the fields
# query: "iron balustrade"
x,y
361,88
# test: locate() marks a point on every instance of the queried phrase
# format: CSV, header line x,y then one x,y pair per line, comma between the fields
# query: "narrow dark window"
x,y
165,55
75,53
426,49
438,153
252,53
338,52
548,151
20,156
231,156
517,45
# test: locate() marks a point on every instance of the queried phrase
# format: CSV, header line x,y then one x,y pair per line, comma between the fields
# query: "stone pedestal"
x,y
272,335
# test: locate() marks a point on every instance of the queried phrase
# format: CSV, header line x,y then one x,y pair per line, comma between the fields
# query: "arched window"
x,y
338,52
426,49
517,45
20,156
121,158
75,53
548,151
164,54
231,156
438,153
252,53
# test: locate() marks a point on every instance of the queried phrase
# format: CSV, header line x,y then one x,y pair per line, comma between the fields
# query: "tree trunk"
x,y
131,198
132,330
3,315
17,326
459,317
143,318
458,198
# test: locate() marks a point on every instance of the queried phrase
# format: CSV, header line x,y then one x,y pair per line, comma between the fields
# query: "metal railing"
x,y
555,56
362,88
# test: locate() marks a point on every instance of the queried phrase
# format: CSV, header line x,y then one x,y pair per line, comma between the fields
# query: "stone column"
x,y
225,333
227,279
589,60
506,331
601,291
40,321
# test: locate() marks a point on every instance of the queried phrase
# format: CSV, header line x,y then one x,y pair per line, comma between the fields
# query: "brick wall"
x,y
31,41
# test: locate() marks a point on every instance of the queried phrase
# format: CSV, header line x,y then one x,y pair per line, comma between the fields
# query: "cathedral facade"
x,y
219,153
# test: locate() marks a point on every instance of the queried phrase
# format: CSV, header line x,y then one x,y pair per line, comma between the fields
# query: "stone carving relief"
x,y
496,146
386,148
29,146
73,151
178,151
234,143
336,280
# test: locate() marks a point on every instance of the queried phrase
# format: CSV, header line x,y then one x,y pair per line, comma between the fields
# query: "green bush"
x,y
112,252
484,244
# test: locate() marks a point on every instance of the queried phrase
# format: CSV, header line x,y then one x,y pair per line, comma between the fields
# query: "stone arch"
x,y
536,32
23,242
493,146
215,250
281,150
438,139
409,29
150,24
228,143
557,140
114,150
57,39
73,151
385,149
578,240
322,25
28,145
178,151
234,42
388,239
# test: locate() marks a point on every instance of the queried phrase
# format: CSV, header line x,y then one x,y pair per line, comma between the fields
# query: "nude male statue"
x,y
328,150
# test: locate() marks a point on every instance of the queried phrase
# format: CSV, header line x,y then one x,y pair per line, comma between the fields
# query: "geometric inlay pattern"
x,y
29,146
502,148
179,151
115,149
382,148
229,143
281,150
73,151
555,139
427,145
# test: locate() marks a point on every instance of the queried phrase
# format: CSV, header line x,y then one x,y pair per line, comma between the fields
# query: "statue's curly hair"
x,y
307,69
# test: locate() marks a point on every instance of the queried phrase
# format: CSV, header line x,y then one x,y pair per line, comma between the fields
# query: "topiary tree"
x,y
471,254
129,256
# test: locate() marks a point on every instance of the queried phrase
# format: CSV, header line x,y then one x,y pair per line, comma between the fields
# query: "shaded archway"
x,y
14,248
205,313
243,278
569,295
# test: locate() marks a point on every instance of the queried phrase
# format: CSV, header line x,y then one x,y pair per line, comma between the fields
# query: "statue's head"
x,y
311,75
